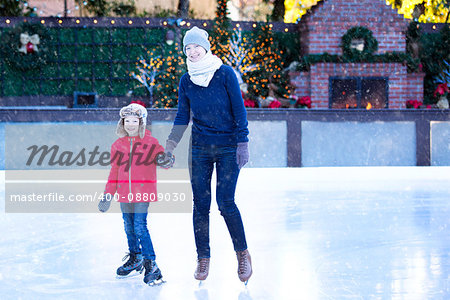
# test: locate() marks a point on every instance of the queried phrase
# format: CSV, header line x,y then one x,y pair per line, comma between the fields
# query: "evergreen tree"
x,y
221,30
99,8
183,9
240,54
278,11
435,11
174,66
268,74
15,8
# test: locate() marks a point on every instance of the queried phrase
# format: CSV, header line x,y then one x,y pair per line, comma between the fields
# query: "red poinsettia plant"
x,y
442,90
275,104
303,102
413,104
249,103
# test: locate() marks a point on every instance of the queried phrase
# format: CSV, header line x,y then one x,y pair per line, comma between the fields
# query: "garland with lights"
x,y
388,57
25,46
358,43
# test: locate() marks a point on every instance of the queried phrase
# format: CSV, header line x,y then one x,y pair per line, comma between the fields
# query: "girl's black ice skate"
x,y
152,275
134,263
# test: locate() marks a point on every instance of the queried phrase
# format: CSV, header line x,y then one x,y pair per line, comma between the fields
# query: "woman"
x,y
210,91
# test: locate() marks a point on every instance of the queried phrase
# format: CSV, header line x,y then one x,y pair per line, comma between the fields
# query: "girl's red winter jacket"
x,y
133,169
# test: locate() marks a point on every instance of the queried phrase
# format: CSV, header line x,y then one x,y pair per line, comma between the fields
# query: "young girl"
x,y
210,90
132,182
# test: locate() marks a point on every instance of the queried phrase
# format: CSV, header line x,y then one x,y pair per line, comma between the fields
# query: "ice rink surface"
x,y
313,233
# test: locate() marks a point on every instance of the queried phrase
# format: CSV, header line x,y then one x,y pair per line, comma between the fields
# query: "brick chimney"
x,y
321,30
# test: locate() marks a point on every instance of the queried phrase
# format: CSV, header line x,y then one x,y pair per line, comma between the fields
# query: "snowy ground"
x,y
313,233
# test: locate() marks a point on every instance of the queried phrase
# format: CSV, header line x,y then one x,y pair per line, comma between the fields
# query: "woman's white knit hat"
x,y
196,36
135,110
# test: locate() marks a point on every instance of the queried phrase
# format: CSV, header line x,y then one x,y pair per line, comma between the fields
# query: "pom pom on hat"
x,y
196,36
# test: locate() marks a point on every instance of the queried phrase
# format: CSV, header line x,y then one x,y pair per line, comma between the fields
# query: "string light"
x,y
7,21
95,21
113,22
130,22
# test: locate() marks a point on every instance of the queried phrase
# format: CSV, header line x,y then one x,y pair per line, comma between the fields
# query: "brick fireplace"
x,y
321,31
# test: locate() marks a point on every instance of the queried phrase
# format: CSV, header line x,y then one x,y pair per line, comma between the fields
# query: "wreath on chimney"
x,y
25,46
358,43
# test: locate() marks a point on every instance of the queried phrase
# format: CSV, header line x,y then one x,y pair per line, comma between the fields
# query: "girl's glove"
x,y
242,154
105,203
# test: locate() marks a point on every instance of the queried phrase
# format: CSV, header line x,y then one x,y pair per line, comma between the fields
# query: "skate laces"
x,y
150,266
242,262
202,265
131,258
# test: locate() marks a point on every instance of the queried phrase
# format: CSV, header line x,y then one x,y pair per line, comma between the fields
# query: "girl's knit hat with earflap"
x,y
135,110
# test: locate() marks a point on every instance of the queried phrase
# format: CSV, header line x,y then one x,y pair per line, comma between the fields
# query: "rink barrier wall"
x,y
420,123
291,133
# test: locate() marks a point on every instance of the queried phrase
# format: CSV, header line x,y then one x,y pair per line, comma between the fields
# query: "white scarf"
x,y
202,71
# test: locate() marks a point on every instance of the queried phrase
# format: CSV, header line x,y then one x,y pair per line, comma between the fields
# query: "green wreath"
x,y
353,51
21,56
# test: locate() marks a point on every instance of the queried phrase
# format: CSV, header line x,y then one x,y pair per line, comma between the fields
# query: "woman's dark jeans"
x,y
203,158
135,221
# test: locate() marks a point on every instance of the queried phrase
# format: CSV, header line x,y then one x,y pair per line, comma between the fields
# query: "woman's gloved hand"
x,y
167,159
242,155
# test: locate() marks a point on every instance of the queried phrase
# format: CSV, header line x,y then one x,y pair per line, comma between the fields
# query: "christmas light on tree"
x,y
166,94
268,78
148,70
161,76
239,54
221,30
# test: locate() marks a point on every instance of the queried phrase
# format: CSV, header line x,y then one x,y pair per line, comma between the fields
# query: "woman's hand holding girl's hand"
x,y
167,159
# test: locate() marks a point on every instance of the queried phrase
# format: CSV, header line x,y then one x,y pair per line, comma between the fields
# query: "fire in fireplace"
x,y
358,92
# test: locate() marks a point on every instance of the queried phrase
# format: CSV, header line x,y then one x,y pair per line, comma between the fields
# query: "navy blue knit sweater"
x,y
218,113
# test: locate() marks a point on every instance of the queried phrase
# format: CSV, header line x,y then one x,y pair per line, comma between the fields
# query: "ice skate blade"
x,y
132,274
156,282
200,283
